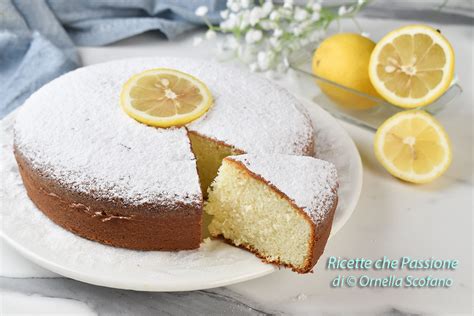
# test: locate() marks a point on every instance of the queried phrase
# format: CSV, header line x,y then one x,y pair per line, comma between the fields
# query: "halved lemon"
x,y
412,66
165,97
413,146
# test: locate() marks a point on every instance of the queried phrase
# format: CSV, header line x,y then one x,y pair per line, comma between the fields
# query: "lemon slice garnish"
x,y
413,146
165,97
412,66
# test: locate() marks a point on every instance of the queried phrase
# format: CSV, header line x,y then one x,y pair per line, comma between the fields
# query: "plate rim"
x,y
107,281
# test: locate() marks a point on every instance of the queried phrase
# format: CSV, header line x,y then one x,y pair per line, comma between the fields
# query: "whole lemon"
x,y
344,58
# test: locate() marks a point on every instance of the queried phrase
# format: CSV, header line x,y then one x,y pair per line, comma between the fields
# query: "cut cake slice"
x,y
280,207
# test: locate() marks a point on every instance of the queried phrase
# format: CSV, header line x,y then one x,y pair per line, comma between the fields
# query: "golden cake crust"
x,y
176,226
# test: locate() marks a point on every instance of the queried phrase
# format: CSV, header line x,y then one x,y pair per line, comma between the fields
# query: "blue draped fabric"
x,y
38,37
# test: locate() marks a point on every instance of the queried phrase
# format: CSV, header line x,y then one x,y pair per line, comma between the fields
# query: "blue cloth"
x,y
38,37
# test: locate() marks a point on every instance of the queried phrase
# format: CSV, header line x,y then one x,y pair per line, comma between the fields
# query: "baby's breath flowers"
x,y
263,34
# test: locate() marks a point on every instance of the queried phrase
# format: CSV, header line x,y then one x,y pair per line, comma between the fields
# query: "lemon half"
x,y
165,97
413,146
412,66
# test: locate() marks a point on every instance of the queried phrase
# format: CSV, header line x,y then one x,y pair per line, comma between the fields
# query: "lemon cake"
x,y
98,173
280,207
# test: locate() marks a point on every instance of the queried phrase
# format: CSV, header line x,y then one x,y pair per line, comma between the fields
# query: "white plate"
x,y
213,264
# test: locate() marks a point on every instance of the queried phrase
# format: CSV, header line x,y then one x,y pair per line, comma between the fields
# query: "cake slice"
x,y
279,207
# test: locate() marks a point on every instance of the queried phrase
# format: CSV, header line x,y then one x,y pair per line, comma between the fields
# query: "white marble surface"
x,y
392,219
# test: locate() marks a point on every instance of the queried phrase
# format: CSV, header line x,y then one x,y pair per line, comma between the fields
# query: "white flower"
x,y
244,19
230,23
315,16
267,8
288,4
274,15
305,24
342,10
255,15
245,3
197,40
365,34
211,34
263,35
316,7
285,12
201,11
253,36
224,14
233,5
297,30
268,25
300,14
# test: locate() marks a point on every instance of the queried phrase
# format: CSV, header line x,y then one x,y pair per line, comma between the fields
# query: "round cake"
x,y
99,173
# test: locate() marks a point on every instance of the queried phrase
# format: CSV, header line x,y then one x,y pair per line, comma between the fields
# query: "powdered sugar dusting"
x,y
311,183
74,128
252,113
243,104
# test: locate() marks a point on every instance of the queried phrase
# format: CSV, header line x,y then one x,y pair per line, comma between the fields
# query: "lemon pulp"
x,y
413,146
412,66
165,97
